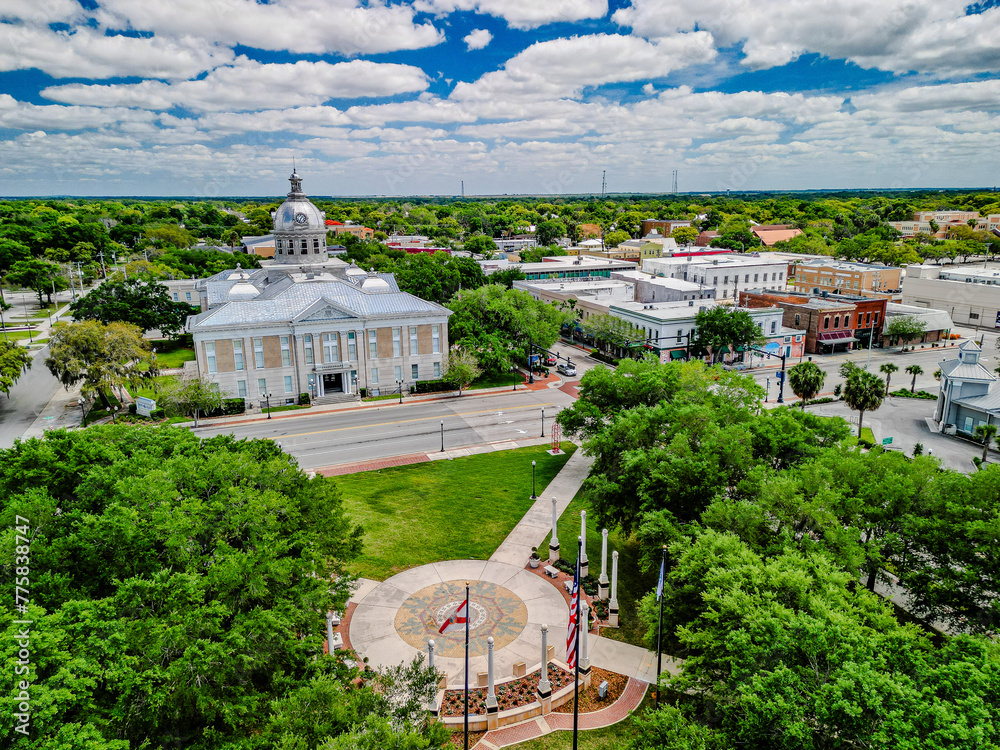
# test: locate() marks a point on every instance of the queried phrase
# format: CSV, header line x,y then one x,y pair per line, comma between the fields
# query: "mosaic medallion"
x,y
493,611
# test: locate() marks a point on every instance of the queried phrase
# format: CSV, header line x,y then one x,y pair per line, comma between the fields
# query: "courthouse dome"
x,y
298,213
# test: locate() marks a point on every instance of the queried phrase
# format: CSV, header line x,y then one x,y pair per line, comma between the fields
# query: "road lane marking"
x,y
408,421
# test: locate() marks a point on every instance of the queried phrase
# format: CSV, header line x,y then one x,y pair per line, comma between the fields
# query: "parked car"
x,y
550,360
567,369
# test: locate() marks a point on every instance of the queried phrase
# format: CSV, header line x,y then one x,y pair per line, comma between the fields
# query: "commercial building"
x,y
361,232
574,267
840,277
970,296
670,326
943,221
937,323
832,323
768,234
967,397
306,323
726,274
585,297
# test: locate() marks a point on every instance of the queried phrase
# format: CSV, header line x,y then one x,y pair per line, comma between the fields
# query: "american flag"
x,y
574,605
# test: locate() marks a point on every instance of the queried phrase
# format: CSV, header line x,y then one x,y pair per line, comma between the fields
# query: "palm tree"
x,y
985,432
914,370
863,392
806,380
888,368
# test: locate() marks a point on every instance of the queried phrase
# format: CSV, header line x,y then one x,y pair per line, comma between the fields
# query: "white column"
x,y
584,622
329,632
491,696
584,565
432,693
544,686
554,542
602,582
613,603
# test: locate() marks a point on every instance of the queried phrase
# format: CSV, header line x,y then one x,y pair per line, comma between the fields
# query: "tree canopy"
x,y
139,301
15,360
179,597
719,327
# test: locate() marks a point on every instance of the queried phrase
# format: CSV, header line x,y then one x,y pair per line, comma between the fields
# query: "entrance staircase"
x,y
335,398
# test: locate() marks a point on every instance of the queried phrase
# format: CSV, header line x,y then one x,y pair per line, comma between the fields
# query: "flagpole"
x,y
466,665
659,630
576,647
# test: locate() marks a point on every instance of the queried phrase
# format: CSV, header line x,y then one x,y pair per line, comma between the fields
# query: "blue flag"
x,y
659,585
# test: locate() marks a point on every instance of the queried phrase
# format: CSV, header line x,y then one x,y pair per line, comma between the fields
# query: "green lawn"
x,y
495,381
151,390
173,359
19,335
633,584
443,510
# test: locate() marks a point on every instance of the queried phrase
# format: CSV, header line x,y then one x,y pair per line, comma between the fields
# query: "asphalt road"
x,y
348,436
29,396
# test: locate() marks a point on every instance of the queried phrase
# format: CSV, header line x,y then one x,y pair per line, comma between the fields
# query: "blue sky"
x,y
216,97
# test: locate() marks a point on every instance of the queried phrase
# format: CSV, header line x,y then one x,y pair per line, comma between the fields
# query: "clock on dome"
x,y
301,219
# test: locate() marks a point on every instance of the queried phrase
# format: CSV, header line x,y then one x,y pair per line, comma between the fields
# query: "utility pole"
x,y
104,270
604,182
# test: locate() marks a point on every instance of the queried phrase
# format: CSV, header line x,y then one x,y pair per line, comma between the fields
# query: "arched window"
x,y
304,246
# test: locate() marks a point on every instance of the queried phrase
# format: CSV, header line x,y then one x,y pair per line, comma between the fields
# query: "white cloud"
x,y
41,13
86,53
24,116
897,35
521,14
305,26
477,39
974,95
249,85
564,67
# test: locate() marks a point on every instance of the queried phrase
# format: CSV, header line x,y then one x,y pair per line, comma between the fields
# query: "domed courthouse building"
x,y
308,323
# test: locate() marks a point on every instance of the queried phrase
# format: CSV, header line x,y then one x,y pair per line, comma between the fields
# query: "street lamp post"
x,y
442,436
114,410
83,412
543,421
533,495
767,389
400,384
24,301
267,401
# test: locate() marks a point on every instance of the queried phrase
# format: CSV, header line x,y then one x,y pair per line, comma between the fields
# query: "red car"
x,y
550,360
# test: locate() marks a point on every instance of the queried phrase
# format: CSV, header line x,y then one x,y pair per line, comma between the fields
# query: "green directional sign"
x,y
887,441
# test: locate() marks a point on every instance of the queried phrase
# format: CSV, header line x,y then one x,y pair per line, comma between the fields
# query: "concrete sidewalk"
x,y
627,659
537,522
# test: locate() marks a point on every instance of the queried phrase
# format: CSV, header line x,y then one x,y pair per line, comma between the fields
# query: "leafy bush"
x,y
230,407
823,400
431,386
903,393
304,399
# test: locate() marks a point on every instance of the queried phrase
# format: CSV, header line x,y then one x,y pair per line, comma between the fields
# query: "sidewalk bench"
x,y
551,571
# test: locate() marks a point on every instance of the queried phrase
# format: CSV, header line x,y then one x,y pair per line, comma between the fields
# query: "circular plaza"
x,y
397,618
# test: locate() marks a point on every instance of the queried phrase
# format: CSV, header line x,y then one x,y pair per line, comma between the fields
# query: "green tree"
x,y
547,232
462,369
986,432
101,357
616,237
14,362
914,370
480,244
888,369
863,391
139,301
903,329
806,380
610,331
719,327
40,276
506,277
190,396
496,324
219,556
685,235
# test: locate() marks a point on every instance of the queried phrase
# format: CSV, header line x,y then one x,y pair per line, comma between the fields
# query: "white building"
x,y
971,296
305,323
726,275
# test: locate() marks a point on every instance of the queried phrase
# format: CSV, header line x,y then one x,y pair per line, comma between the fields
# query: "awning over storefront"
x,y
678,354
831,338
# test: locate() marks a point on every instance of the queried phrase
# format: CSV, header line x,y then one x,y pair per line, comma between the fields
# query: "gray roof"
x,y
933,320
987,402
301,299
959,370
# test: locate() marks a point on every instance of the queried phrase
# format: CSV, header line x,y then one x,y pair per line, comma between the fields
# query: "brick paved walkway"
x,y
381,463
534,728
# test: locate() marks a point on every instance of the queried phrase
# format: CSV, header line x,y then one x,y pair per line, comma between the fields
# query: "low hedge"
x,y
822,400
230,407
431,386
903,393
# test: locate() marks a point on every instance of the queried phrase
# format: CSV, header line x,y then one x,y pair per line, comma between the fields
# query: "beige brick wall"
x,y
272,352
224,355
384,343
424,338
